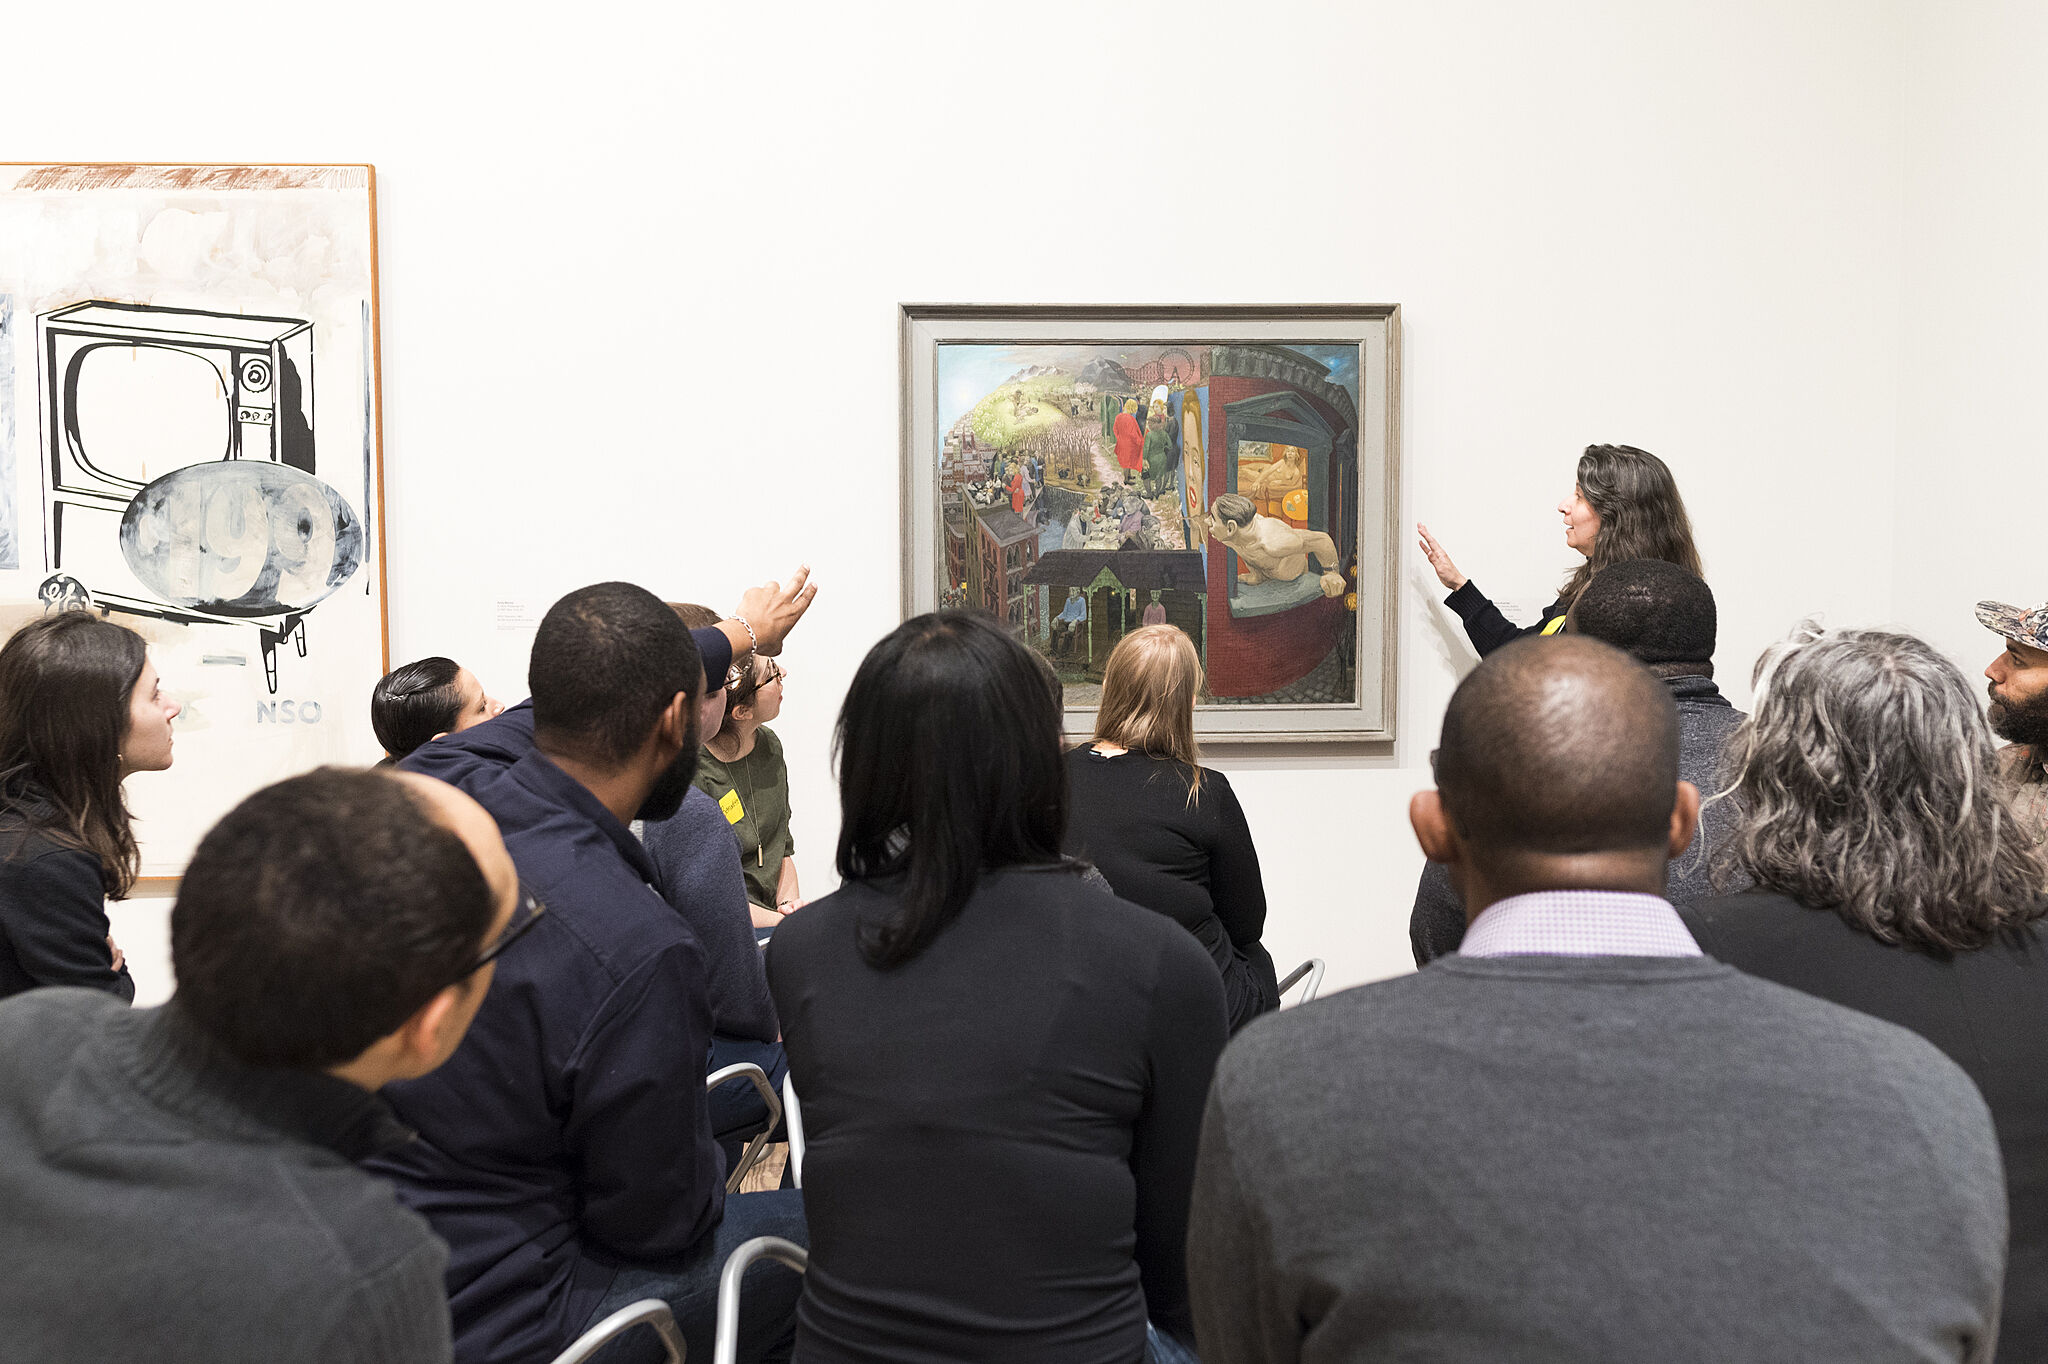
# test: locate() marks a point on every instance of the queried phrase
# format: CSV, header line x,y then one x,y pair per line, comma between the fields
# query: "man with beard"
x,y
2019,708
565,1153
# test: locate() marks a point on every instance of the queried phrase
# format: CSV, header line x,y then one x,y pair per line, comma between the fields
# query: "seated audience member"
x,y
742,769
423,701
565,1153
1002,1068
1168,833
80,709
2019,710
697,869
1577,1139
1663,617
177,1182
1890,876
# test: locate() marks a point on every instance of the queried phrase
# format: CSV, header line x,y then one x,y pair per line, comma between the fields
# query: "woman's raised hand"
x,y
1446,571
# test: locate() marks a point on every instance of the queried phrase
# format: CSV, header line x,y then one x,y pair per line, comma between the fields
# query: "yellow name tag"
x,y
730,803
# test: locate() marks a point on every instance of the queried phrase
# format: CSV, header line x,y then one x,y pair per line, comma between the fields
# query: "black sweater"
x,y
1486,627
1194,863
1002,1129
1985,1009
53,914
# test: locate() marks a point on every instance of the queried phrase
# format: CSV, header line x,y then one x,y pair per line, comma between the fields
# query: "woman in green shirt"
x,y
741,768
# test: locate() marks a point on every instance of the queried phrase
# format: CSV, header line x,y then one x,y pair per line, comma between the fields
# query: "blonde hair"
x,y
1149,687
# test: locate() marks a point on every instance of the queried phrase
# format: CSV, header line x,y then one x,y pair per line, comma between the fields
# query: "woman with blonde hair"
x,y
1167,833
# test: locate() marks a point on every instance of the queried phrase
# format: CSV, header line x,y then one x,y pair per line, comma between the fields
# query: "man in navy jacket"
x,y
564,1153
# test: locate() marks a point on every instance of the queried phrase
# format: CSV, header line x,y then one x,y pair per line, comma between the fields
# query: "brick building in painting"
x,y
1269,393
1002,548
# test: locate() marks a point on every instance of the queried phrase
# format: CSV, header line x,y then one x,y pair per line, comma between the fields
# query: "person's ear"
x,y
675,721
1685,818
1433,827
430,1036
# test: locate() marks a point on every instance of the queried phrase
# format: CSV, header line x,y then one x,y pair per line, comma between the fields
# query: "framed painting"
x,y
1082,472
189,447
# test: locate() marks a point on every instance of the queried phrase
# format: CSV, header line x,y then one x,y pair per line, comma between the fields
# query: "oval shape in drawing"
x,y
241,538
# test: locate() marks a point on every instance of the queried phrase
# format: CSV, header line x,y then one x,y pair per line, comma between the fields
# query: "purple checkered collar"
x,y
1579,923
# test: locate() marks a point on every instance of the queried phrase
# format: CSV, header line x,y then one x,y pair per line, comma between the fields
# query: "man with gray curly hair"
x,y
2019,709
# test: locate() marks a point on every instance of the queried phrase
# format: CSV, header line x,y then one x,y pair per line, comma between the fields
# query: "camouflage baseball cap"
x,y
2028,627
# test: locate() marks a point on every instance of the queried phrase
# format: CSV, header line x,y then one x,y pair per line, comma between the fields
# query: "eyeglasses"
x,y
525,915
776,672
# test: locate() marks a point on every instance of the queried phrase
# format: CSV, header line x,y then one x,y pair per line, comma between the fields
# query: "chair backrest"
x,y
1313,969
648,1311
725,1349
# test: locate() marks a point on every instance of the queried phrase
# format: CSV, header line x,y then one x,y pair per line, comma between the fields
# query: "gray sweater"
x,y
1581,1160
161,1201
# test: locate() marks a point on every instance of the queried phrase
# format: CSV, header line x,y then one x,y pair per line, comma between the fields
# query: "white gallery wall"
x,y
640,269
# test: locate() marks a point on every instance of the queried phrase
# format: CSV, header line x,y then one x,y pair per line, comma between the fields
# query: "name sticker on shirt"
x,y
730,803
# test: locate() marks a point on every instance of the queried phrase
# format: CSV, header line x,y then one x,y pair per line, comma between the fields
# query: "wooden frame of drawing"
x,y
1235,471
191,445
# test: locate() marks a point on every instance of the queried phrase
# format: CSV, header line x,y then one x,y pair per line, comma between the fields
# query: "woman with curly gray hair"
x,y
1889,875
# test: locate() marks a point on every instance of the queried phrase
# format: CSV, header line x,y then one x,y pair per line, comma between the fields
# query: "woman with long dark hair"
x,y
80,709
1890,875
1624,505
1002,1068
1167,832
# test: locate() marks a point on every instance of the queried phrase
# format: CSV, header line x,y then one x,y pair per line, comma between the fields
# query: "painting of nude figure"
x,y
1079,491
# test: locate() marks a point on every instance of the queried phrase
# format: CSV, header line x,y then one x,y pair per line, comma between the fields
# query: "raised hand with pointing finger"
x,y
768,613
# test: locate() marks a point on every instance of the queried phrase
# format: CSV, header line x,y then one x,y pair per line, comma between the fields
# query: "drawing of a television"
x,y
178,470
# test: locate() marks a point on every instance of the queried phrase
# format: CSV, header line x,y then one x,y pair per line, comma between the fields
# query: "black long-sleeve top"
x,y
1001,1131
53,911
1191,861
1487,628
1984,1008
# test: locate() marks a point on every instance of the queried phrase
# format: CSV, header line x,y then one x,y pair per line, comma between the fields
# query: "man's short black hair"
x,y
1559,746
608,659
319,915
1657,612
